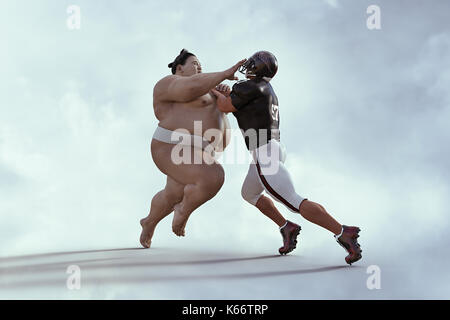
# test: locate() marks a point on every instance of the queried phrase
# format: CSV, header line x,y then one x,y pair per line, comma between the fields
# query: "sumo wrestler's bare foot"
x,y
148,227
179,221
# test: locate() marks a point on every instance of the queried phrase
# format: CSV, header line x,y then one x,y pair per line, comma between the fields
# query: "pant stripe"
x,y
273,192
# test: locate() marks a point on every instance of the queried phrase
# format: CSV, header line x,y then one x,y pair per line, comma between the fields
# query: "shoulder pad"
x,y
246,88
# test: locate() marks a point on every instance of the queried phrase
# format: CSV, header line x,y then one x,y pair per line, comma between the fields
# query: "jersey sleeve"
x,y
243,93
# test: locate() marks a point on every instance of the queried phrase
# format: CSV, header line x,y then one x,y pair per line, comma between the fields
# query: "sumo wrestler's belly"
x,y
210,123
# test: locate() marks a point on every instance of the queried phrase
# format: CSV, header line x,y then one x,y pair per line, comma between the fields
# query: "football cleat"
x,y
289,232
348,240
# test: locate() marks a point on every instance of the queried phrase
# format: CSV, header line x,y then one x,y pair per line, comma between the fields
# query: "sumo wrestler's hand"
x,y
224,89
229,73
223,102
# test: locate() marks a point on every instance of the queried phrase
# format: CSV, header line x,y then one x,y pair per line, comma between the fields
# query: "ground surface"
x,y
174,273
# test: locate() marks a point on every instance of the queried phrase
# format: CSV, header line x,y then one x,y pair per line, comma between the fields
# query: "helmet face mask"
x,y
248,67
262,64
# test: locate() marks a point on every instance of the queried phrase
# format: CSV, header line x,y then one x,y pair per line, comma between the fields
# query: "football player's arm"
x,y
224,103
224,89
242,94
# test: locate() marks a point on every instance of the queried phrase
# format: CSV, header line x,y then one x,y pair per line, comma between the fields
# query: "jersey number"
x,y
275,112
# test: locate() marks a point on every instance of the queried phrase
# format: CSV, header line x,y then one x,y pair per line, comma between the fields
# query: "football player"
x,y
255,105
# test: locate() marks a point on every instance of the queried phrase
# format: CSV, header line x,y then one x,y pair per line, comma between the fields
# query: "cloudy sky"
x,y
364,116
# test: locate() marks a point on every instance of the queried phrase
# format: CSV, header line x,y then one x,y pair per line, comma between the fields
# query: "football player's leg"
x,y
252,192
161,206
278,183
317,214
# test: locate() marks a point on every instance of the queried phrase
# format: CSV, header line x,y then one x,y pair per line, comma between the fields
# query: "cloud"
x,y
364,116
332,3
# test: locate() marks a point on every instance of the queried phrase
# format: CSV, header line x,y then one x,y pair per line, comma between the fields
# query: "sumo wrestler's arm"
x,y
184,89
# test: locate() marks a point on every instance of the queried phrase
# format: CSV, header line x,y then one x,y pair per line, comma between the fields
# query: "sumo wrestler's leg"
x,y
161,206
201,181
207,179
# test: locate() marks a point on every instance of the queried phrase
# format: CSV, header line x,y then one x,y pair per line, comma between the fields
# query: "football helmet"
x,y
262,64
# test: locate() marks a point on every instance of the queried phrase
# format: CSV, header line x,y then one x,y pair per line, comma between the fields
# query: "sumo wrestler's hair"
x,y
180,59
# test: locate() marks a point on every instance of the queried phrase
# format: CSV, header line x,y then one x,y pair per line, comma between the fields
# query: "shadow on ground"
x,y
133,265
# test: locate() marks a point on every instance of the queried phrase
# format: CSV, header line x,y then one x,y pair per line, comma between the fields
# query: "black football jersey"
x,y
257,111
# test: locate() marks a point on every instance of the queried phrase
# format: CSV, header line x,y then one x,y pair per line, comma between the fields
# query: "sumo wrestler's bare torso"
x,y
182,115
